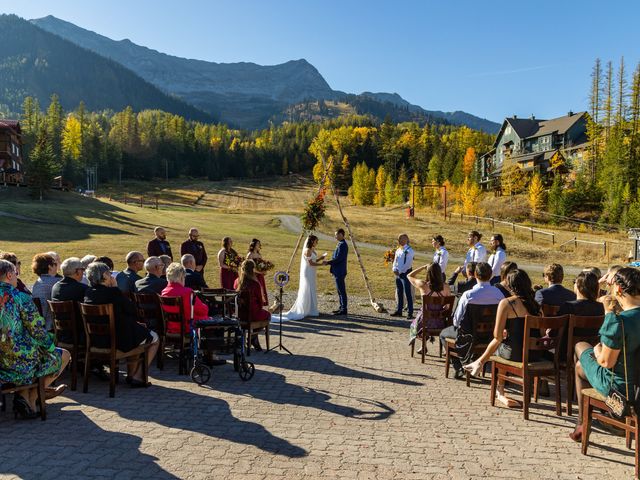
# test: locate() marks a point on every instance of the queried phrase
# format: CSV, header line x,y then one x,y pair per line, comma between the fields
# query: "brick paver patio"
x,y
350,403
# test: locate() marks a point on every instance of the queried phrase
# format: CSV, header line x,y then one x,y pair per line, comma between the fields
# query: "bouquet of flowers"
x,y
233,261
314,212
263,266
389,256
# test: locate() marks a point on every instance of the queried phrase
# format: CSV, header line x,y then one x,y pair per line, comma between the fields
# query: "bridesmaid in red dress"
x,y
254,254
228,274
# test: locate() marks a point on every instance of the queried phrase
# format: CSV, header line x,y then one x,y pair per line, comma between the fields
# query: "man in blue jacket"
x,y
338,268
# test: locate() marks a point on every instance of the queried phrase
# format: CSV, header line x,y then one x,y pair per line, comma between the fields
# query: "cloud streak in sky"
x,y
510,72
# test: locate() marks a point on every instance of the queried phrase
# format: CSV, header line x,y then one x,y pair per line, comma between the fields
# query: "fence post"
x,y
604,249
493,223
156,202
140,201
531,230
125,198
513,226
553,239
461,215
575,242
477,219
109,197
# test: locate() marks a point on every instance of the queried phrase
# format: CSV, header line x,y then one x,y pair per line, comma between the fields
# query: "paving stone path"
x,y
350,403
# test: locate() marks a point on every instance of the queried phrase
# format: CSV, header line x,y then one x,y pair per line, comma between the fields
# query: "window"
x,y
507,131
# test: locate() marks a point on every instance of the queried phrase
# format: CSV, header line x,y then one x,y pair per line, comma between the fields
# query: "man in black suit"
x,y
152,283
127,278
71,288
338,268
193,279
555,294
159,245
196,248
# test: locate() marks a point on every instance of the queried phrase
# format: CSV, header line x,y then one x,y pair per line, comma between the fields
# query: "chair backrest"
x,y
244,306
482,319
38,303
550,310
215,291
148,309
582,329
444,302
64,320
99,323
555,326
172,311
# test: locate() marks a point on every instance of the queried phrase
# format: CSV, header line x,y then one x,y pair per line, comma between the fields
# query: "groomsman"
x,y
476,253
159,245
338,268
402,265
195,247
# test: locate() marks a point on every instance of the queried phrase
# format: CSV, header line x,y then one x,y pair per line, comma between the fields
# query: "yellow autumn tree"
x,y
512,180
381,181
536,194
467,198
468,162
72,137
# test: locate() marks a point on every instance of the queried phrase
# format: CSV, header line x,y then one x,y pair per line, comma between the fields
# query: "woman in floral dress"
x,y
27,350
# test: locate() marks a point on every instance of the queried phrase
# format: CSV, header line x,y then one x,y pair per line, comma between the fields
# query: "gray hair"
x,y
88,259
166,259
187,258
131,257
70,266
95,273
55,256
175,272
6,267
151,263
158,229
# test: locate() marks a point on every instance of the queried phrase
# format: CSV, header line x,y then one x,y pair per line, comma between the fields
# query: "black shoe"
x,y
335,312
396,314
255,343
410,316
543,388
459,375
21,408
101,373
339,312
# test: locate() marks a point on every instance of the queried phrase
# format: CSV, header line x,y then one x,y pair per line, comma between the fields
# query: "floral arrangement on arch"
x,y
263,266
389,256
314,212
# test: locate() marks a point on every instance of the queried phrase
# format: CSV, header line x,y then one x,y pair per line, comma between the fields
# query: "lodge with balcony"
x,y
11,162
539,146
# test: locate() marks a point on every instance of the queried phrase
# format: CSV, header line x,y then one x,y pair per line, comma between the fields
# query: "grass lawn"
x,y
74,226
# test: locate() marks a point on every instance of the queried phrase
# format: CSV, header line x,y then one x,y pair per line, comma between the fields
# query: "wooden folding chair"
x,y
441,309
550,310
482,319
593,403
525,372
172,311
99,323
6,388
579,329
252,327
38,305
67,331
150,313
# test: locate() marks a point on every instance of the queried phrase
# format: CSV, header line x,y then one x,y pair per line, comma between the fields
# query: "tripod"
x,y
280,346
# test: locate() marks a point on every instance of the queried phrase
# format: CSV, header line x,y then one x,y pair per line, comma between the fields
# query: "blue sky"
x,y
491,58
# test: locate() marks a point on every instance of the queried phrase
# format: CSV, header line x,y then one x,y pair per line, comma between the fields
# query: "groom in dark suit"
x,y
338,264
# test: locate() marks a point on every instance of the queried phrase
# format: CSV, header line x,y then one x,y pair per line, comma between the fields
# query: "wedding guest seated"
x,y
58,261
71,288
166,261
466,284
249,287
432,285
483,293
555,294
514,308
86,261
45,267
127,278
193,278
606,281
27,350
152,283
109,263
504,271
586,288
129,333
602,367
176,275
12,258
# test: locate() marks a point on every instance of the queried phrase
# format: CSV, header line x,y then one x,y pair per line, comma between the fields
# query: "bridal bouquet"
x,y
263,266
314,212
389,256
233,261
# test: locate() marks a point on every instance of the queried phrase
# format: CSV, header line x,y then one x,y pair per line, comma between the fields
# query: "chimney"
x,y
533,117
515,116
570,113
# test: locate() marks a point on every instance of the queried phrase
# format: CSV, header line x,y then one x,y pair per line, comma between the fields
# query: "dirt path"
x,y
293,224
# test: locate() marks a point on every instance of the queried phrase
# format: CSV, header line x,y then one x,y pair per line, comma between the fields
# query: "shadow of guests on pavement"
x,y
70,445
184,410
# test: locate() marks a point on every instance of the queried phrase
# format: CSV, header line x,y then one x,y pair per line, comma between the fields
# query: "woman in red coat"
x,y
251,292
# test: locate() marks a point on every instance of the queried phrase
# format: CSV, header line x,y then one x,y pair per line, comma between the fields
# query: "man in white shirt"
x,y
483,293
476,253
498,257
402,265
441,256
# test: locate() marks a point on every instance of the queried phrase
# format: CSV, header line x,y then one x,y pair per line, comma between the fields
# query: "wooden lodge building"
x,y
11,162
536,146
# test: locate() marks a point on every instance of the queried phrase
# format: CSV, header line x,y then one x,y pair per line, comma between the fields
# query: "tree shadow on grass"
x,y
70,445
183,410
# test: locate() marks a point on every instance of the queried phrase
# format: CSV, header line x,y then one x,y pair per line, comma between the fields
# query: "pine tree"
x,y
41,166
621,105
556,197
536,194
593,125
401,189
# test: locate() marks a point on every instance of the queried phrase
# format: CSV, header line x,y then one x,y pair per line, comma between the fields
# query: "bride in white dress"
x,y
307,302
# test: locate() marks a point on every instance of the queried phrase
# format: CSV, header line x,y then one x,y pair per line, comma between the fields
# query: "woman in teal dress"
x,y
603,364
27,350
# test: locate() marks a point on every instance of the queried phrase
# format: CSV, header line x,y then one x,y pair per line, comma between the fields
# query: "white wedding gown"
x,y
307,302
